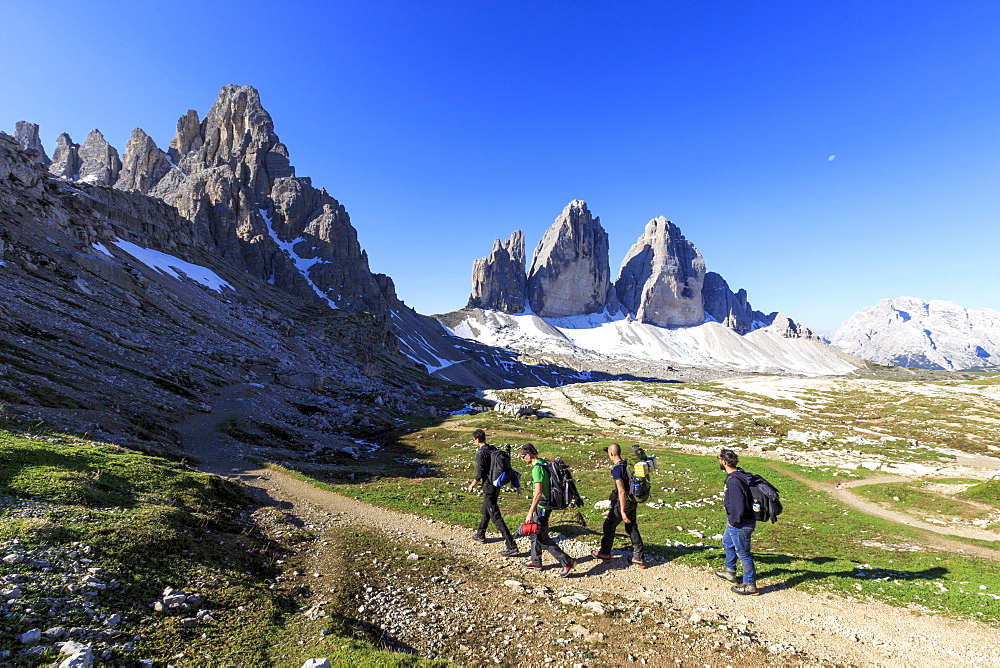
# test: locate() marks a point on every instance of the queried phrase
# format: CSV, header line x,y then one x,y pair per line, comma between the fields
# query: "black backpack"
x,y
766,499
562,487
501,472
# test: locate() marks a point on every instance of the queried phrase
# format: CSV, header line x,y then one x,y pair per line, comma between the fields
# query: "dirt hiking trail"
x,y
799,628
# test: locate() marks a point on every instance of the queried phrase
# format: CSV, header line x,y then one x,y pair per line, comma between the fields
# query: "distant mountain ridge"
x,y
662,280
663,309
930,335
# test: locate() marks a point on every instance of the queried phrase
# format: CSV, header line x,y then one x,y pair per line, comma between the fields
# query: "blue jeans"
x,y
736,542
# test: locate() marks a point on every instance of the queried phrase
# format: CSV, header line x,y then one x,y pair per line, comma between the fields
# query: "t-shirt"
x,y
540,474
619,472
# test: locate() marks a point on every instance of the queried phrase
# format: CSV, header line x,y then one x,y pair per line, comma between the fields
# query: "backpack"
x,y
501,472
638,480
562,487
766,499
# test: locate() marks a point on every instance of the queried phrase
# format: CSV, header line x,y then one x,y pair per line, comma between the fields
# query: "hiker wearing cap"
x,y
740,523
622,510
490,510
538,513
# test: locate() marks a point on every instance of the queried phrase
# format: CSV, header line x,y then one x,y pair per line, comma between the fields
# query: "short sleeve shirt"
x,y
540,474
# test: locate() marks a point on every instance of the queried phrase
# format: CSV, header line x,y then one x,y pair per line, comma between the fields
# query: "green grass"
x,y
912,497
818,544
149,523
985,492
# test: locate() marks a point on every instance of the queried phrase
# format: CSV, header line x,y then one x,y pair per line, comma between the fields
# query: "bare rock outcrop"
x,y
26,135
570,273
731,309
788,328
661,277
498,280
144,164
65,159
233,176
100,164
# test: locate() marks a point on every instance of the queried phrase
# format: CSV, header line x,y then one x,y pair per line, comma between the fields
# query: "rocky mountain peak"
x,y
26,135
908,331
570,271
100,164
236,133
144,164
662,276
498,280
65,159
188,137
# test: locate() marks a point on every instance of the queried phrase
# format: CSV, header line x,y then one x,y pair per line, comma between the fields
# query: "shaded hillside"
x,y
117,317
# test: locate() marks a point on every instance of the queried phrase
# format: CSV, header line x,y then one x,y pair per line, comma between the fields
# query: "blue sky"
x,y
443,125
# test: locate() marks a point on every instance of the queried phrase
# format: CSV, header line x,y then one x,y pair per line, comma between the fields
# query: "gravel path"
x,y
802,627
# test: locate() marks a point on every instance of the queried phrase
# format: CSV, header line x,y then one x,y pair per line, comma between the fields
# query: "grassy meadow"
x,y
818,545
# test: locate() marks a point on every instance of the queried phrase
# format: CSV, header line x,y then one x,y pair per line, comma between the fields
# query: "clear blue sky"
x,y
443,125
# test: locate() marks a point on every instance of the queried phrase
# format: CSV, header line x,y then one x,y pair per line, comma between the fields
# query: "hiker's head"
x,y
529,452
479,436
728,458
614,451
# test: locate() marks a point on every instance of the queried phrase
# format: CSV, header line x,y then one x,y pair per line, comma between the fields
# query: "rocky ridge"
x,y
662,280
929,335
118,317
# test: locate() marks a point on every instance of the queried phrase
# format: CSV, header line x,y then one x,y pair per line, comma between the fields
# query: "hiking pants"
x,y
736,542
542,539
611,523
491,511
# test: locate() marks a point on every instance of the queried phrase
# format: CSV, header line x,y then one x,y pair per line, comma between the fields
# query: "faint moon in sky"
x,y
831,158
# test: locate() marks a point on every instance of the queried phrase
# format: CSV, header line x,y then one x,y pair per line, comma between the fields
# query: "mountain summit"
x,y
929,335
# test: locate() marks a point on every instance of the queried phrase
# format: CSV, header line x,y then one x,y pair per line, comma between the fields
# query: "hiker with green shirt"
x,y
538,513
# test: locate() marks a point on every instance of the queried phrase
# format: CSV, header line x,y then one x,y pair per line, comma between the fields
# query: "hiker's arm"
x,y
534,502
479,472
620,484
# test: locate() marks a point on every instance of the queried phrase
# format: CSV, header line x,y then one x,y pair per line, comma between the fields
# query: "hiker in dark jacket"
x,y
740,523
490,509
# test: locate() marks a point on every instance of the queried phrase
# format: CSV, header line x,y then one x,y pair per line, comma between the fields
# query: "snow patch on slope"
x,y
620,337
301,263
170,265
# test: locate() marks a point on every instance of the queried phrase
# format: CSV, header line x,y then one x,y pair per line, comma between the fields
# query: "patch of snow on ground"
x,y
173,266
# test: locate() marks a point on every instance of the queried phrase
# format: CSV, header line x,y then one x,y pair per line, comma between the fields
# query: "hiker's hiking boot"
x,y
478,537
747,589
597,554
565,570
510,552
728,576
531,563
638,563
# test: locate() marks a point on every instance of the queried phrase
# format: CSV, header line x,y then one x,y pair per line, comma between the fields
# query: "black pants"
x,y
611,524
542,539
491,511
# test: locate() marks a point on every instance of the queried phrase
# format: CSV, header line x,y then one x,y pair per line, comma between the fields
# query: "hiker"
x,y
740,523
491,496
538,513
622,510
